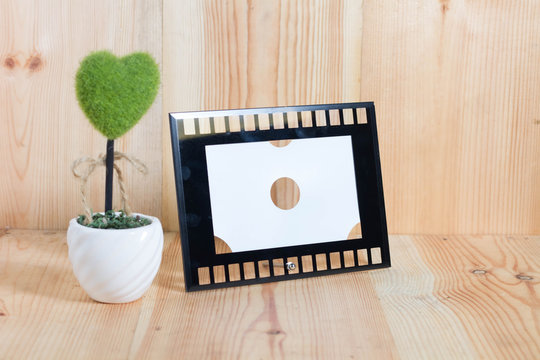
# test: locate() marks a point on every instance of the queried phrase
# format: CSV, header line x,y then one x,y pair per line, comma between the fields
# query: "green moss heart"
x,y
114,93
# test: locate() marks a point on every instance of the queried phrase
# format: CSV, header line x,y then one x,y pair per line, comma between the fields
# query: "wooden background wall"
x,y
43,129
456,84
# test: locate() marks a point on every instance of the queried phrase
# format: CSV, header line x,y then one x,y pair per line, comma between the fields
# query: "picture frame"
x,y
213,155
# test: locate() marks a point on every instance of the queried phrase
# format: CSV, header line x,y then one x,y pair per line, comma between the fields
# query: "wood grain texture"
x,y
455,84
481,303
455,297
44,131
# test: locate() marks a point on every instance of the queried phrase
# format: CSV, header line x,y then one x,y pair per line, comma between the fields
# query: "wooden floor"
x,y
455,297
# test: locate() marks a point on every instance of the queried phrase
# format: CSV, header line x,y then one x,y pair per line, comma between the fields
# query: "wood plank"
x,y
455,85
491,284
44,131
430,304
411,303
183,53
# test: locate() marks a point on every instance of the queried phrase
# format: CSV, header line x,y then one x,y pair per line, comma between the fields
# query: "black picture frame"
x,y
193,196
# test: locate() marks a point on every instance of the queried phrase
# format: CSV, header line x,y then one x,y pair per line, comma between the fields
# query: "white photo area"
x,y
241,180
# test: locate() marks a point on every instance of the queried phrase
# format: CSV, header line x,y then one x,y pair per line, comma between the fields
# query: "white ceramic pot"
x,y
115,266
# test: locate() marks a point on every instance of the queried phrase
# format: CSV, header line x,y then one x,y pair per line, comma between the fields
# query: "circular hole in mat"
x,y
285,193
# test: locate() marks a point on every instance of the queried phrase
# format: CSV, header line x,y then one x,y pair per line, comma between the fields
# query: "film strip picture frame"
x,y
208,149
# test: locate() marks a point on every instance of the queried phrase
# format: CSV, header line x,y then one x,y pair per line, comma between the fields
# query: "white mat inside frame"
x,y
241,178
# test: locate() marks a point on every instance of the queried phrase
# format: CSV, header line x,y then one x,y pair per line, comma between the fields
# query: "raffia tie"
x,y
91,165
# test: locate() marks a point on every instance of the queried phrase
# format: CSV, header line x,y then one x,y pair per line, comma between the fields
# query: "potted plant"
x,y
115,254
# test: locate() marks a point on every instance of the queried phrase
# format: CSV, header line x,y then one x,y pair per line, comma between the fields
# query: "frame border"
x,y
190,168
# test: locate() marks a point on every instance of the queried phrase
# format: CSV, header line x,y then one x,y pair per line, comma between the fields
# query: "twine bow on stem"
x,y
92,163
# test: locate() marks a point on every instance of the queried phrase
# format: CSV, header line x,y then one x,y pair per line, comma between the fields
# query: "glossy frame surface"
x,y
193,196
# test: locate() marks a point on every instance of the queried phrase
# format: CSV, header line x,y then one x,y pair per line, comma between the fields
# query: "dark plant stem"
x,y
109,165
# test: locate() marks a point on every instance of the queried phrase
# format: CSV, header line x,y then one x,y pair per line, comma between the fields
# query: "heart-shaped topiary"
x,y
114,93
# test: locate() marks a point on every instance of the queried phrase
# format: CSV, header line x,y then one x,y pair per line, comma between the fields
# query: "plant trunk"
x,y
109,165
